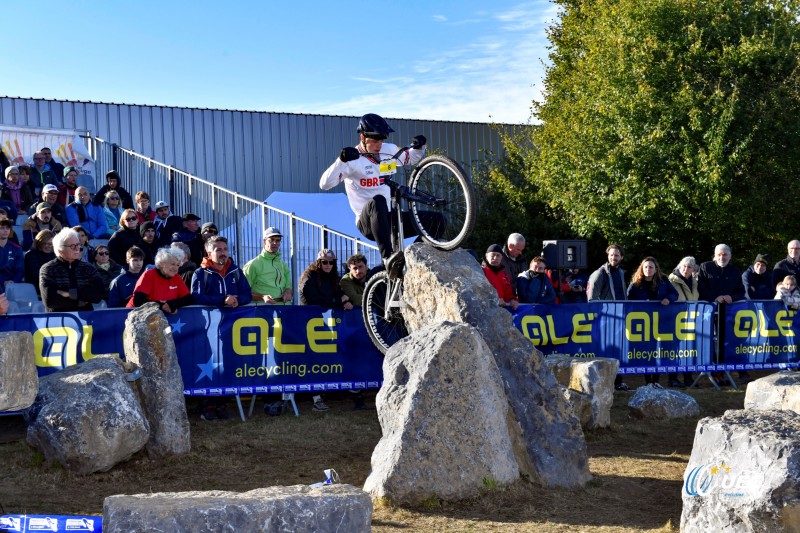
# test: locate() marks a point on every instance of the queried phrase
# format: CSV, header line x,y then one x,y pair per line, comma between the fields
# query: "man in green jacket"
x,y
354,281
269,276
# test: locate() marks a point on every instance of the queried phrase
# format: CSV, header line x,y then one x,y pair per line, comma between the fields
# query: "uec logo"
x,y
699,481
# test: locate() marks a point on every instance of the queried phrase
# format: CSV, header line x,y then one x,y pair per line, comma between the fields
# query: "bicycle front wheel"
x,y
446,214
384,329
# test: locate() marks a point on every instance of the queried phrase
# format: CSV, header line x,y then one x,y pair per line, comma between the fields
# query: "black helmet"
x,y
372,125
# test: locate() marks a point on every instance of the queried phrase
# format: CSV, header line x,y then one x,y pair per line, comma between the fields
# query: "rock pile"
x,y
776,391
545,436
149,345
87,417
589,387
652,401
744,473
331,508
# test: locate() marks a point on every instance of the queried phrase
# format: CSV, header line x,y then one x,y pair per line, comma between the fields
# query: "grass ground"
x,y
637,467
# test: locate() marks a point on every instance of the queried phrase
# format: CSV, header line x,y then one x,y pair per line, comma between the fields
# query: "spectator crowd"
x,y
718,280
113,249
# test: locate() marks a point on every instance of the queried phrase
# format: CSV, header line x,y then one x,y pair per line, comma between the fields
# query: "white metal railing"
x,y
239,218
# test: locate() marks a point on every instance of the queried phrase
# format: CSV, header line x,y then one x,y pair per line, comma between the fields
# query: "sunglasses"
x,y
376,137
102,253
326,262
131,219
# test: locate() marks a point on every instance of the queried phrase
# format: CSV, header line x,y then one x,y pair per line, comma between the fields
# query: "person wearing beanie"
x,y
14,191
66,193
148,243
757,280
113,183
498,277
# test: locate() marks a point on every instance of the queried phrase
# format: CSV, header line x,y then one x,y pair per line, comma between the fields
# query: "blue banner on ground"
x,y
248,350
21,523
646,337
760,335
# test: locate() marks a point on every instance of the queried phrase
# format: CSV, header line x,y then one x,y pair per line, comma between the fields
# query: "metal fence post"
x,y
171,192
114,148
293,252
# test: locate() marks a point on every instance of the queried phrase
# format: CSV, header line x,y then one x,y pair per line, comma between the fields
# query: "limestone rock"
x,y
581,404
443,414
149,344
592,377
19,381
444,286
87,417
658,403
776,391
744,473
331,508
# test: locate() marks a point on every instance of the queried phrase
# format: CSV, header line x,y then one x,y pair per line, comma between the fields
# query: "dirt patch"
x,y
637,467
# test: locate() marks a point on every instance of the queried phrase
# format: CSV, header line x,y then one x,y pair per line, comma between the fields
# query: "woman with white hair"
x,y
684,279
162,284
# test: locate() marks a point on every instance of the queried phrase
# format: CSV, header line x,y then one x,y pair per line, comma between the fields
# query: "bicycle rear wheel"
x,y
447,217
383,331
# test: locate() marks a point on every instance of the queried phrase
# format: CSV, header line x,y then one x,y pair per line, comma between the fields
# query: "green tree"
x,y
672,125
508,203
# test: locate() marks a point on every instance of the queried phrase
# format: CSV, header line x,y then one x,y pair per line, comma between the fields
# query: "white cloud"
x,y
494,77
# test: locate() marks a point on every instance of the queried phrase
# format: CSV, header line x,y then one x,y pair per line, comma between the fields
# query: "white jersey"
x,y
362,177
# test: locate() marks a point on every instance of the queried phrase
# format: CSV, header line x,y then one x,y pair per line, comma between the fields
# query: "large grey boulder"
x,y
776,391
331,508
443,414
594,379
744,473
548,441
87,417
650,401
149,344
19,381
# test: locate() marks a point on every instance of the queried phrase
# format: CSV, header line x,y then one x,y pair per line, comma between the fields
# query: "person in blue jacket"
x,y
91,217
121,288
757,280
219,281
533,286
649,283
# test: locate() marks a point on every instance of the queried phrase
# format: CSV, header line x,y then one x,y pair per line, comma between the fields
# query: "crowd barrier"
x,y
249,350
647,337
291,349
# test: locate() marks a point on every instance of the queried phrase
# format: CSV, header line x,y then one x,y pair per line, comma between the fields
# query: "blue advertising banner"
x,y
248,350
760,335
646,337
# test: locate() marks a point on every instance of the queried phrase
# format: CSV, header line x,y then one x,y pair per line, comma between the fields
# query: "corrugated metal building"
x,y
254,153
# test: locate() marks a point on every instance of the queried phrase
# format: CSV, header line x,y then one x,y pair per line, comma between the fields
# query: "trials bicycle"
x,y
441,204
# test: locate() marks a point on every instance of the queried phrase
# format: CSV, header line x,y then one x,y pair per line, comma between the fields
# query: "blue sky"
x,y
465,60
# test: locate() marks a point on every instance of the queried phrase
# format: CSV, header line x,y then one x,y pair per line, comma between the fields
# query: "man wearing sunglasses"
x,y
50,196
359,168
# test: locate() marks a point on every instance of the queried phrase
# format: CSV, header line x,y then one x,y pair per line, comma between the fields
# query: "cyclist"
x,y
367,194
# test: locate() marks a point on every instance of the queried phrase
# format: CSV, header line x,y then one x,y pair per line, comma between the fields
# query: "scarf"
x,y
14,192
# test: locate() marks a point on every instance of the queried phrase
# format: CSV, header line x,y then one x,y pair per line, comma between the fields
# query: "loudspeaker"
x,y
564,254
